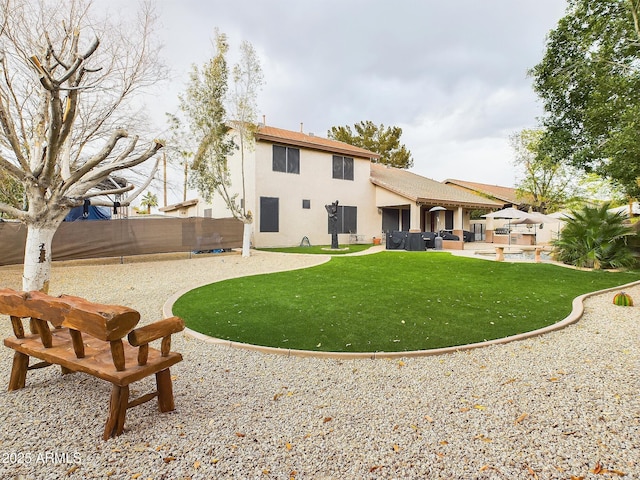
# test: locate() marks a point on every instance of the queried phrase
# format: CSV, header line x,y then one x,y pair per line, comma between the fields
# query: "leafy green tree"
x,y
11,191
247,81
378,139
589,81
595,238
545,183
595,187
178,149
205,108
203,104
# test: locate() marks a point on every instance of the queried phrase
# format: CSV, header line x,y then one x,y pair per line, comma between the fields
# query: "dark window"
x,y
406,220
306,203
338,167
279,158
347,220
293,160
286,159
269,214
390,219
342,167
448,220
348,168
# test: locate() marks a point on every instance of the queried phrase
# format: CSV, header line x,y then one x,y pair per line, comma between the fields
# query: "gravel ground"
x,y
562,406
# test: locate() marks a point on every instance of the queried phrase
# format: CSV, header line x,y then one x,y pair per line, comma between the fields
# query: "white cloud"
x,y
453,75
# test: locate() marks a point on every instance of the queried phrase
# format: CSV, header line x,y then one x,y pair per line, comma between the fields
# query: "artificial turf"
x,y
390,301
321,249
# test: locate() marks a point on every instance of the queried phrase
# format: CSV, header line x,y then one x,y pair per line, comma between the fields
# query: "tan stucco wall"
x,y
313,183
386,198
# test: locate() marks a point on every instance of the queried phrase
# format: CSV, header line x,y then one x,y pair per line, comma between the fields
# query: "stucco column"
x,y
414,218
458,222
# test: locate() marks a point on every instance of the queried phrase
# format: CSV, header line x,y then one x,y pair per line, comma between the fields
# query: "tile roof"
x,y
299,139
425,190
507,194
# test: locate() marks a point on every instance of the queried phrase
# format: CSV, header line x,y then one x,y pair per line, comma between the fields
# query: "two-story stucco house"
x,y
289,178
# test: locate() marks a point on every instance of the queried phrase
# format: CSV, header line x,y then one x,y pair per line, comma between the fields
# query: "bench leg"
x,y
18,377
117,412
165,391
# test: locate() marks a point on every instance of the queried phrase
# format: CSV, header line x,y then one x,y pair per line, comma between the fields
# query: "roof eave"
x,y
317,146
456,203
177,206
435,201
488,193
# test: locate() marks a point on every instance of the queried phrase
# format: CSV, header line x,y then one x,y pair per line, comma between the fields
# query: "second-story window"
x,y
286,159
342,167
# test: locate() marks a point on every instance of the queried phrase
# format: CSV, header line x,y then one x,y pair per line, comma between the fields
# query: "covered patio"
x,y
411,203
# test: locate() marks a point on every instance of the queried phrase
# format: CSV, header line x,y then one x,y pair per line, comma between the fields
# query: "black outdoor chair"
x,y
429,239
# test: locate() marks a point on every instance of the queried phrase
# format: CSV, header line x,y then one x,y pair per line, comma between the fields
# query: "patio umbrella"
x,y
542,218
507,213
527,221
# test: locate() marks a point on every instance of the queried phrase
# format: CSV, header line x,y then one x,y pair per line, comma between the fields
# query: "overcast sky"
x,y
452,75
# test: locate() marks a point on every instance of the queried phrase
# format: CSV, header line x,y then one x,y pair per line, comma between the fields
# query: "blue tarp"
x,y
88,213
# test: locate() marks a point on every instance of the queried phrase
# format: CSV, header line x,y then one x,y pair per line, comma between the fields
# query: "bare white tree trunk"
x,y
64,105
37,256
246,239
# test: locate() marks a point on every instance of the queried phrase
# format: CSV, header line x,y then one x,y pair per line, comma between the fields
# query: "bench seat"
x,y
97,360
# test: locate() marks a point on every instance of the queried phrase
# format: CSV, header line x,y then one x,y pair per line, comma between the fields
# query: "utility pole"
x,y
164,167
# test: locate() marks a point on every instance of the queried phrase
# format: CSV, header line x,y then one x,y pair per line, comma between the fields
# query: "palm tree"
x,y
595,238
149,200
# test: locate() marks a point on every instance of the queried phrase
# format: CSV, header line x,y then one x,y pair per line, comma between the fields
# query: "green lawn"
x,y
321,249
390,301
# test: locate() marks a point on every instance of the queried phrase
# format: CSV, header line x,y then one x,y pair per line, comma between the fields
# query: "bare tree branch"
x,y
115,191
95,160
17,172
130,198
95,176
13,212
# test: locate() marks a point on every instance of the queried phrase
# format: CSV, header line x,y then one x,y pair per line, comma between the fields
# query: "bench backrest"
x,y
109,323
105,322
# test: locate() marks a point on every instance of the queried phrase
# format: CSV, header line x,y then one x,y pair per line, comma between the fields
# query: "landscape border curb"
x,y
574,316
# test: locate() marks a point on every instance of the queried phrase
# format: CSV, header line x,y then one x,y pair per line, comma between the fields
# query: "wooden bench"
x,y
88,337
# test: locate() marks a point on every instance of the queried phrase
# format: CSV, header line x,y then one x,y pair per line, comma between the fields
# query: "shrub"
x,y
595,238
